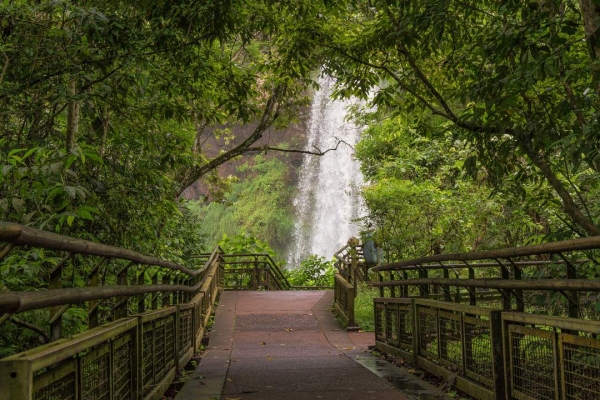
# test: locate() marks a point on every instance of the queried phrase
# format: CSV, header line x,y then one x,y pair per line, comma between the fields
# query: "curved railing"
x,y
146,316
492,333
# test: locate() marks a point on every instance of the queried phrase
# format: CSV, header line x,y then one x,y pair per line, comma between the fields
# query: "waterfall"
x,y
328,189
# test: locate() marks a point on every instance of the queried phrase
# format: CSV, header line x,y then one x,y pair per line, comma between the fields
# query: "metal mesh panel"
x,y
159,352
450,339
205,306
199,314
478,347
428,336
122,373
380,321
532,362
391,324
61,389
405,331
581,365
169,353
95,379
185,331
147,356
343,299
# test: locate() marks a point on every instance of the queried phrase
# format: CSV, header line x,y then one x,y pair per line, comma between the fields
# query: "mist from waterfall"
x,y
328,190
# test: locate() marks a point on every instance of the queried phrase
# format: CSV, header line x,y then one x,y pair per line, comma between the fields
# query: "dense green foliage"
x,y
485,129
312,271
482,126
105,107
260,204
421,202
364,314
245,243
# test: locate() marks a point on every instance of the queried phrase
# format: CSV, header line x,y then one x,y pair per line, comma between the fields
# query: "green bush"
x,y
313,271
363,308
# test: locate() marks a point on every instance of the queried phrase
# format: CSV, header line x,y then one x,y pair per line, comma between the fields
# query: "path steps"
x,y
274,345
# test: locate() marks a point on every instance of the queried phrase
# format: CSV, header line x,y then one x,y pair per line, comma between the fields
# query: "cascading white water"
x,y
328,189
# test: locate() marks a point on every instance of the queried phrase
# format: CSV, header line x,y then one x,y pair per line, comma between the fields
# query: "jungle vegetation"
x,y
481,125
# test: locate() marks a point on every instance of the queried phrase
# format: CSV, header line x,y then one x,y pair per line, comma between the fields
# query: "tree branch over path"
x,y
443,109
446,113
318,151
32,327
270,114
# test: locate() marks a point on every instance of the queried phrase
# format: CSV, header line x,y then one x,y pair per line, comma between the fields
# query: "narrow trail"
x,y
285,344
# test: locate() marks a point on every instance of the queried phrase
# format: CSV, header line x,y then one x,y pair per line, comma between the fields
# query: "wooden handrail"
x,y
17,302
587,243
22,235
589,285
274,270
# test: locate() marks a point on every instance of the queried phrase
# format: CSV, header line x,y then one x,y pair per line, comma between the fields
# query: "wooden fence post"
x,y
497,354
56,312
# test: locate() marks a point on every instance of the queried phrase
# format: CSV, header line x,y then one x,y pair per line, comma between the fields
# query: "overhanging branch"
x,y
445,112
32,327
270,114
317,152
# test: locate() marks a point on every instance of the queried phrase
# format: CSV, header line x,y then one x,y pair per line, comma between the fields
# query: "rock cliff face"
x,y
295,136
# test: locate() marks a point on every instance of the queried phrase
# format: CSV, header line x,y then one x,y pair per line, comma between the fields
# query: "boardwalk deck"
x,y
285,344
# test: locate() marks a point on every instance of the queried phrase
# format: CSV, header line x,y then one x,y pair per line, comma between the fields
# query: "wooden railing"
x,y
253,272
498,345
350,269
145,316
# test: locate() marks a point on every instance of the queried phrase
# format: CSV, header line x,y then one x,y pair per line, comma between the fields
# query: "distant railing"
x,y
498,345
146,317
350,269
252,272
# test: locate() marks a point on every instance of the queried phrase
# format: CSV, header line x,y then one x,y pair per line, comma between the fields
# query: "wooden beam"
x,y
581,285
545,248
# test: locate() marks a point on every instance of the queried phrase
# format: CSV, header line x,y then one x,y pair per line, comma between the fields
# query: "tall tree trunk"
x,y
569,206
590,11
72,116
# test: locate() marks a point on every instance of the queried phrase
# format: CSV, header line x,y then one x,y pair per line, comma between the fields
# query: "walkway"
x,y
266,345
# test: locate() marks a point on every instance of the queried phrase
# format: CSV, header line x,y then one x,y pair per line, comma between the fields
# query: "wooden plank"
x,y
572,324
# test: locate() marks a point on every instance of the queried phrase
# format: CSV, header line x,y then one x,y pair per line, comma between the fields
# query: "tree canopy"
x,y
105,104
517,81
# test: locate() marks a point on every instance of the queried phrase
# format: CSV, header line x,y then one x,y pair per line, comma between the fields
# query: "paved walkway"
x,y
271,345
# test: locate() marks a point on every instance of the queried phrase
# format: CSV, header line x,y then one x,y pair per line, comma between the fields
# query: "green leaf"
x,y
71,190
